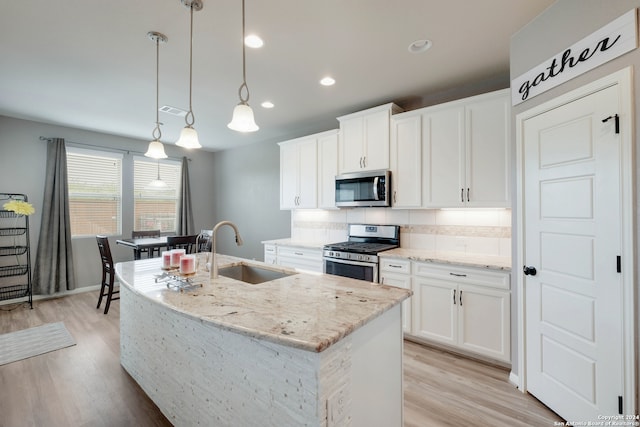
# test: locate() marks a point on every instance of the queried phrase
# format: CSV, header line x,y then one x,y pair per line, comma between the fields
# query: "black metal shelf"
x,y
14,241
15,291
13,250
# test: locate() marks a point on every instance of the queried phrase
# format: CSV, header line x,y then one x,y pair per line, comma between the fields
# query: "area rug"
x,y
31,342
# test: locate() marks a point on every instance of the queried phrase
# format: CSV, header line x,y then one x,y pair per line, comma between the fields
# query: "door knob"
x,y
529,271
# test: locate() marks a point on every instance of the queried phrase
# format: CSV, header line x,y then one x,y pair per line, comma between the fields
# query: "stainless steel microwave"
x,y
364,189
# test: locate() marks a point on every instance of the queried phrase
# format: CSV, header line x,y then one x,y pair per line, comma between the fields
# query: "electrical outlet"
x,y
337,408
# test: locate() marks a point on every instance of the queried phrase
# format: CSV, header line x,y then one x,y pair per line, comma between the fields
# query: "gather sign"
x,y
614,39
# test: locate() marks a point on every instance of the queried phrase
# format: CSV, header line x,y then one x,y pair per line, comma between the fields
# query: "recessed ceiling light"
x,y
420,46
267,104
253,41
327,81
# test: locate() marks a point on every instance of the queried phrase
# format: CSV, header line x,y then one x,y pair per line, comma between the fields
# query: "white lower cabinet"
x,y
397,272
270,254
300,258
463,307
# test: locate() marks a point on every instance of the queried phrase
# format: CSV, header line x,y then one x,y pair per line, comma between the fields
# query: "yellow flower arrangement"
x,y
19,207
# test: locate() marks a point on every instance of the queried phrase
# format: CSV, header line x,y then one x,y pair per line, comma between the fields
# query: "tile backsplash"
x,y
470,231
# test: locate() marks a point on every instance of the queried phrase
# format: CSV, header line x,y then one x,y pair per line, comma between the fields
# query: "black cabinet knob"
x,y
529,271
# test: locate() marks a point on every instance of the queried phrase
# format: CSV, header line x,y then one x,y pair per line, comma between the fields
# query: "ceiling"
x,y
89,64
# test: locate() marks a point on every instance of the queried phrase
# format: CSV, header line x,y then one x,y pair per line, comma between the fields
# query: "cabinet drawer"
x,y
395,265
270,249
298,252
481,277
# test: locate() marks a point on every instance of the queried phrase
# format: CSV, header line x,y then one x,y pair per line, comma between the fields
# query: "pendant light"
x,y
188,135
156,149
157,183
242,120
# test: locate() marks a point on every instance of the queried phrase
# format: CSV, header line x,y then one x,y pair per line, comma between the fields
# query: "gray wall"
x,y
247,192
561,25
22,166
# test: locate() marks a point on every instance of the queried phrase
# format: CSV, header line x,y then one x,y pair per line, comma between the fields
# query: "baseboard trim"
x,y
514,379
53,296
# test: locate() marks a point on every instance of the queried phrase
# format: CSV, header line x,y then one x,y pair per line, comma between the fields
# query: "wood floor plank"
x,y
84,385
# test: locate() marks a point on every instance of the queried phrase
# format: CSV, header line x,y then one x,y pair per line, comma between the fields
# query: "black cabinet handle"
x,y
457,275
462,195
529,271
454,297
460,298
467,194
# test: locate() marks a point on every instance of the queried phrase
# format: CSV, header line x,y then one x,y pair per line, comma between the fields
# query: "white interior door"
x,y
572,231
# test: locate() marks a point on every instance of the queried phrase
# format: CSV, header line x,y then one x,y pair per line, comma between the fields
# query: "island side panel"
x,y
199,374
376,373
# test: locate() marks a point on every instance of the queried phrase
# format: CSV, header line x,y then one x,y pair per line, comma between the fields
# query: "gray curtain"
x,y
185,213
53,271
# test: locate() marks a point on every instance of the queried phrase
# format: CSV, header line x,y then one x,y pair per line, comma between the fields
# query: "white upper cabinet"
x,y
364,139
327,168
406,160
466,152
299,173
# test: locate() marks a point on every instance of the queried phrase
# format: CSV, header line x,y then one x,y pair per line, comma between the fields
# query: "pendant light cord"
x,y
244,67
157,133
190,113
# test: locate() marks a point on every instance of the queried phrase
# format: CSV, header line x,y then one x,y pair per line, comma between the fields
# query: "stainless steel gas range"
x,y
358,257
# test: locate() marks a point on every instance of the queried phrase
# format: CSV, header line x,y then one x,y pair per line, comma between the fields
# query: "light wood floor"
x,y
85,385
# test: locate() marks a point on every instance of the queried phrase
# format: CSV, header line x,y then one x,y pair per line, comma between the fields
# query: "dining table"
x,y
141,243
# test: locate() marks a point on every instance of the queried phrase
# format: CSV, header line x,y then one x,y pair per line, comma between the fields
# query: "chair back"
x,y
145,233
204,240
105,253
187,243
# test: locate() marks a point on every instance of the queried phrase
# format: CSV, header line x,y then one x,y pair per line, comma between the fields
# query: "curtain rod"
x,y
117,150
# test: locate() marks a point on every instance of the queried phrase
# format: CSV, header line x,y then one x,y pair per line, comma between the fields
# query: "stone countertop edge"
x,y
292,242
463,260
310,312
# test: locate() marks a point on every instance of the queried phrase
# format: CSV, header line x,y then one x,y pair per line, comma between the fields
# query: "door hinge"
x,y
620,405
617,121
619,264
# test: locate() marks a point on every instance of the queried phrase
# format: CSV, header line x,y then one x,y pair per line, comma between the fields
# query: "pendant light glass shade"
x,y
188,138
156,149
157,183
242,119
188,135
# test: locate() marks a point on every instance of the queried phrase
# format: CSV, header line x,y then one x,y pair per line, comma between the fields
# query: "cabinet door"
x,y
351,144
327,170
376,141
406,162
483,321
443,162
400,281
435,310
288,176
488,158
307,174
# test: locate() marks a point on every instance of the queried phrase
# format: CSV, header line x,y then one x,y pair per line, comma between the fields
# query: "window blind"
x,y
155,208
95,192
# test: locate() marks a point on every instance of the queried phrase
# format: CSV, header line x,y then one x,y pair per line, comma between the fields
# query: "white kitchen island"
x,y
302,350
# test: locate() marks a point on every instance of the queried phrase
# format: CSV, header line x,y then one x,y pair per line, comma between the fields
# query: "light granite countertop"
x,y
294,242
453,258
305,311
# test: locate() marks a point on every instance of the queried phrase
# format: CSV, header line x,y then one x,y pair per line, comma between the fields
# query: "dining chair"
x,y
182,242
107,287
147,233
204,241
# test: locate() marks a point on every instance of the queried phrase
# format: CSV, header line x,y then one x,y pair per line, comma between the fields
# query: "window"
x,y
95,192
155,208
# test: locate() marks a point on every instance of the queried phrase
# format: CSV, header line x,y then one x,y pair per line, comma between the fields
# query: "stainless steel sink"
x,y
251,273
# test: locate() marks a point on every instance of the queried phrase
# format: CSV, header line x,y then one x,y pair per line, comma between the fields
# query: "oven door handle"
x,y
351,262
375,188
